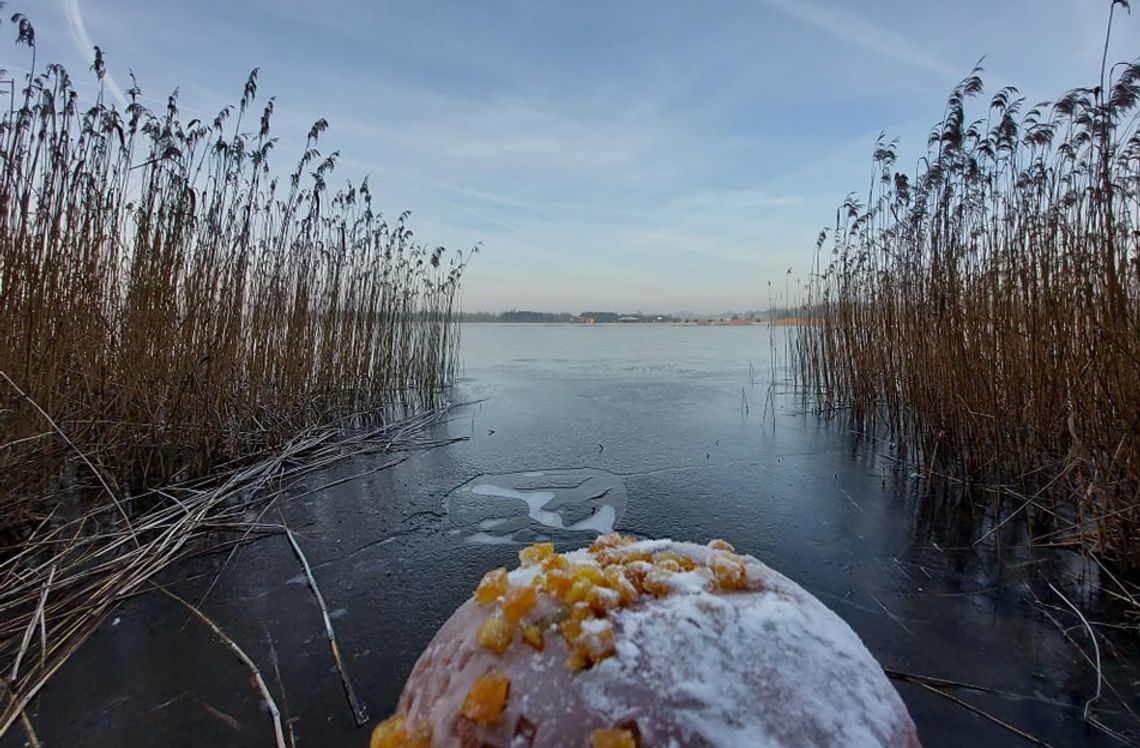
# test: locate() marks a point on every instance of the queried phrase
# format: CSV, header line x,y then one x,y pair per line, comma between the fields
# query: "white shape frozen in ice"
x,y
601,521
486,538
547,495
535,500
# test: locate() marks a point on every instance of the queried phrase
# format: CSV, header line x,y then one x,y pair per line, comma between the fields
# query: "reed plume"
x,y
172,303
986,312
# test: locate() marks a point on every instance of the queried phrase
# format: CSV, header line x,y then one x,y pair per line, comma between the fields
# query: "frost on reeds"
x,y
986,312
171,303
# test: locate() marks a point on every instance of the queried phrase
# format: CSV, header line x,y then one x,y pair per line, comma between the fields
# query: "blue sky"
x,y
660,156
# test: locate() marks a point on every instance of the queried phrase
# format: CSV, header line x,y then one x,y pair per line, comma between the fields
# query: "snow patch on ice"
x,y
601,521
485,538
535,500
575,500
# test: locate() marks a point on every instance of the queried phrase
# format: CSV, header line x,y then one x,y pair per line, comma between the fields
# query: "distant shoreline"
x,y
790,322
727,317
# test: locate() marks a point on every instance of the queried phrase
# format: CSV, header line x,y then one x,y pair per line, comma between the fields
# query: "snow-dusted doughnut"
x,y
649,643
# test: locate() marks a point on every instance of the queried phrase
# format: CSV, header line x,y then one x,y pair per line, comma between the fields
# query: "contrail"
x,y
849,27
86,47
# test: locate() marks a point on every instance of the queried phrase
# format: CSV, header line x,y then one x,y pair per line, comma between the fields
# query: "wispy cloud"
x,y
599,151
504,131
850,28
739,199
86,47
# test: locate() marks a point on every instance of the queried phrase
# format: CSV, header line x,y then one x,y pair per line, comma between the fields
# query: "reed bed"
x,y
169,303
59,585
985,313
184,333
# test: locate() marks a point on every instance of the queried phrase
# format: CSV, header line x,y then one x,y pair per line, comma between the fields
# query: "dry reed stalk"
x,y
29,730
1096,648
984,313
254,672
983,714
359,713
956,684
1123,698
110,493
64,580
274,660
171,304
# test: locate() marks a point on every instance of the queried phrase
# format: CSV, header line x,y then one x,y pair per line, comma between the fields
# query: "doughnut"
x,y
632,644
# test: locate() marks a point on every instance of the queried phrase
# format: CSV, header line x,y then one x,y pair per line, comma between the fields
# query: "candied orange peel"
x,y
532,635
728,570
534,554
492,586
616,573
393,733
517,603
612,738
608,738
495,634
487,698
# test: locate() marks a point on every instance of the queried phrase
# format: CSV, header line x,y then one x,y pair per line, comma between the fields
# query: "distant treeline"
x,y
618,317
517,316
804,311
601,317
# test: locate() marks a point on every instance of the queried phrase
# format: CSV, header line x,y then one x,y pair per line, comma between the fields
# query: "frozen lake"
x,y
657,431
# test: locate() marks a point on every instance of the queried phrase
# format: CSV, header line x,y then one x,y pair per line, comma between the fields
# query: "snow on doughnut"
x,y
652,643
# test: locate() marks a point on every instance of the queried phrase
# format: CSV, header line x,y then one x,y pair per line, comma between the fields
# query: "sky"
x,y
654,156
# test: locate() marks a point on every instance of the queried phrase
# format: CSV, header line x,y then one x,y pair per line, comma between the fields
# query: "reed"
x,y
986,311
170,303
60,583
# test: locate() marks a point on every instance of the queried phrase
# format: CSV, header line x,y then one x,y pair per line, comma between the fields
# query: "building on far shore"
x,y
638,318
